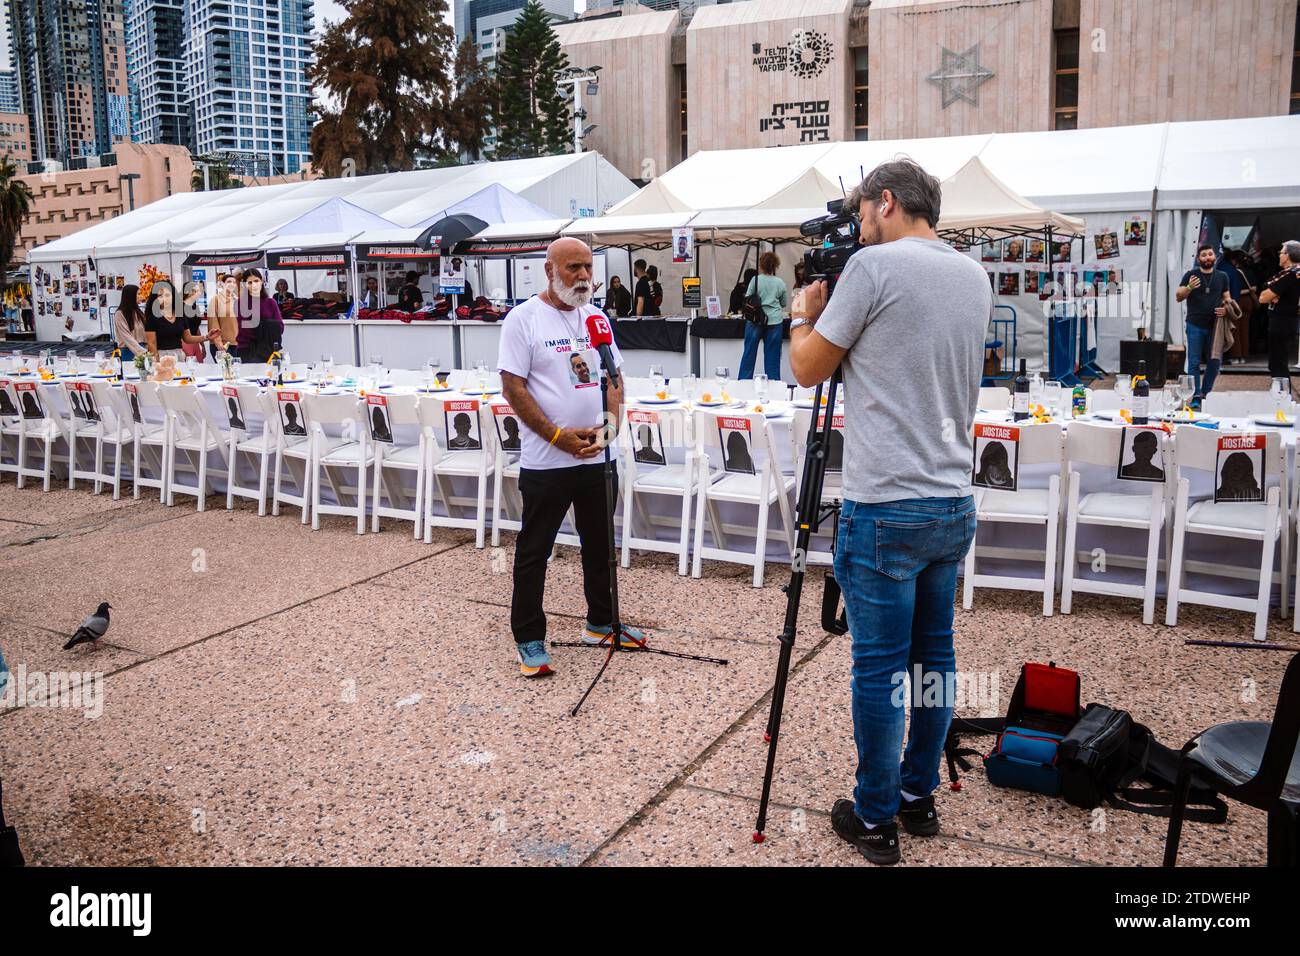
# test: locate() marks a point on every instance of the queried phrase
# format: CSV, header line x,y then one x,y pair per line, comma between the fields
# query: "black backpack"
x,y
1107,752
753,307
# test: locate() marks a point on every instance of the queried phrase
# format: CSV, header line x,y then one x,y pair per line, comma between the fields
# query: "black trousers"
x,y
1281,346
547,495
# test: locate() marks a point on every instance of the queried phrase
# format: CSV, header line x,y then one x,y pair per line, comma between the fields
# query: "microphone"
x,y
602,337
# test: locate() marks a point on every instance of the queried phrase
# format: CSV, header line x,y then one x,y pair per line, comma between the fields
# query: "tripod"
x,y
616,623
811,513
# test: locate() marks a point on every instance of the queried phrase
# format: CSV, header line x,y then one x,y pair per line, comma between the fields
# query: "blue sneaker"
x,y
533,659
631,639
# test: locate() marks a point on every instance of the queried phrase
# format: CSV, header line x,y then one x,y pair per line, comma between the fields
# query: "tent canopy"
x,y
549,187
494,204
975,202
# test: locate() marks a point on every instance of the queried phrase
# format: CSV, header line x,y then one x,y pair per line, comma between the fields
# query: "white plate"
x,y
433,391
477,391
1288,422
772,409
1184,420
655,400
715,404
807,403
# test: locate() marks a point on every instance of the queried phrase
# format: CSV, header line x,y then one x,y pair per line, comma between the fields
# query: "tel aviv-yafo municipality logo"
x,y
807,55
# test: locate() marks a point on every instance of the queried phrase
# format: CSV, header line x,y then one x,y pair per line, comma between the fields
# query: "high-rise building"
x,y
489,22
70,57
10,101
155,46
246,71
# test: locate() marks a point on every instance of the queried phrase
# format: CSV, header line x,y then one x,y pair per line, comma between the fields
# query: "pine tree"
x,y
469,119
384,69
533,112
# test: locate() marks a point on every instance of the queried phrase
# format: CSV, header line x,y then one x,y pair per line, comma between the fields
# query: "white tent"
x,y
974,200
494,204
570,185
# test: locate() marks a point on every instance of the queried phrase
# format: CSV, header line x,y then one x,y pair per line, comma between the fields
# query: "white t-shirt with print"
x,y
538,344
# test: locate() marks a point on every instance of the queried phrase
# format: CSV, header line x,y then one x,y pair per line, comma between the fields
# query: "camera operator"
x,y
906,323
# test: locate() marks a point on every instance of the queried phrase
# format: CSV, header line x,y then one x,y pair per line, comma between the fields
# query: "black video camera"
x,y
839,232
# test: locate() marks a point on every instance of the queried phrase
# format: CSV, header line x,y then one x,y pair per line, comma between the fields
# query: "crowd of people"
x,y
241,317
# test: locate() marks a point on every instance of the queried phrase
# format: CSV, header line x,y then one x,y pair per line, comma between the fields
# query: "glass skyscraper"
x,y
245,69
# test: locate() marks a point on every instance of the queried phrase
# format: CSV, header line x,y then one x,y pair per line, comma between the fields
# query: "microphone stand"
x,y
616,624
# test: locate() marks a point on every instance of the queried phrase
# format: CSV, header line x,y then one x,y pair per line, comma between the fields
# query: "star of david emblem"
x,y
961,76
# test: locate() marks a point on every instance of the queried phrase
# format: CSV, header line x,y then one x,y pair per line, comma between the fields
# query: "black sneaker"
x,y
918,817
879,844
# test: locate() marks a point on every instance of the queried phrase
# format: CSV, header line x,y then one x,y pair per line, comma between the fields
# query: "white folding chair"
x,y
332,457
1038,445
117,431
507,504
994,398
1099,446
448,462
149,437
660,478
293,453
83,434
8,424
392,460
1198,449
832,485
1238,404
762,488
39,424
246,442
195,435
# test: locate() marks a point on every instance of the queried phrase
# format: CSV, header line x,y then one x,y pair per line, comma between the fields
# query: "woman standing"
x,y
1281,295
775,298
166,331
261,327
128,324
619,300
223,319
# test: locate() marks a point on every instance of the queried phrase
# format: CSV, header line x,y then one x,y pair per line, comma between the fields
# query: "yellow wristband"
x,y
556,435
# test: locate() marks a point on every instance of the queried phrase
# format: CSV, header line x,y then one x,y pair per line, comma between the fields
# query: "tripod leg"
x,y
774,732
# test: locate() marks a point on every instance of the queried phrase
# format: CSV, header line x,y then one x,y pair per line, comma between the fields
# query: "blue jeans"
x,y
770,336
1200,344
897,566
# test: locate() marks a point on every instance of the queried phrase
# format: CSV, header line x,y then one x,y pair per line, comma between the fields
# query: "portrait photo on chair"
x,y
1239,468
996,457
377,420
1139,455
29,400
647,438
234,409
737,445
507,423
291,418
461,422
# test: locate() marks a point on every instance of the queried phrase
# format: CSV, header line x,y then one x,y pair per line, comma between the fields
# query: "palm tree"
x,y
15,205
220,174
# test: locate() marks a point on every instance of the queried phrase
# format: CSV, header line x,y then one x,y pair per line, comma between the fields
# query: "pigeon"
x,y
92,628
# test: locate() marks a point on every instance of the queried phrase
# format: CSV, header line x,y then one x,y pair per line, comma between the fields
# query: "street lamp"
x,y
577,76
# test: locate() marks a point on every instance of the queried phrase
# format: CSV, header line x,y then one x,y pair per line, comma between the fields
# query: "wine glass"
x,y
1052,397
1185,388
721,374
760,386
689,385
431,368
327,368
657,377
1170,393
237,367
1279,391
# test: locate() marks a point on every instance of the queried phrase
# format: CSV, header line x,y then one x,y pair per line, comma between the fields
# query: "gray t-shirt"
x,y
913,314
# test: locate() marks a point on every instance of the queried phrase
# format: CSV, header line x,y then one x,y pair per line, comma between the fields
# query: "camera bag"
x,y
1044,708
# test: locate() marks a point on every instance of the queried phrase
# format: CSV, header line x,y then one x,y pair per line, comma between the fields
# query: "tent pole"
x,y
713,261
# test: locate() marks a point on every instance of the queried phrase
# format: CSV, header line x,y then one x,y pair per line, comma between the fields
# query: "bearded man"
x,y
544,362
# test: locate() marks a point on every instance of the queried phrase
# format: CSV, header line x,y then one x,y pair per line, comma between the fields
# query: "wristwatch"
x,y
795,323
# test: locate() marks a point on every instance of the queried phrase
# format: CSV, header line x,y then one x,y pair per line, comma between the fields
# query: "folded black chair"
x,y
1254,763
